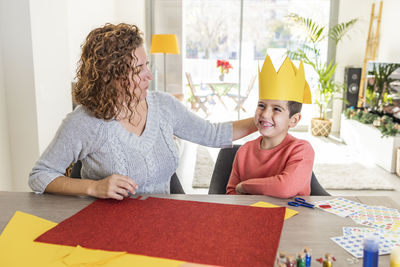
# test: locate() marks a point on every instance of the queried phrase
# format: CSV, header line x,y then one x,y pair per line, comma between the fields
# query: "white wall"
x,y
389,49
84,16
350,52
50,63
5,168
18,74
131,12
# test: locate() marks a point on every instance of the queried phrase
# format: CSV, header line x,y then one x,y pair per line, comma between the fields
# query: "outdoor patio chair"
x,y
175,184
240,101
200,97
223,168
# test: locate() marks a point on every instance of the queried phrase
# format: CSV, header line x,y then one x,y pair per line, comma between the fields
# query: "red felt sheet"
x,y
200,232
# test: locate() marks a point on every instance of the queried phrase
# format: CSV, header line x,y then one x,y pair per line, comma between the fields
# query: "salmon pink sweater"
x,y
283,171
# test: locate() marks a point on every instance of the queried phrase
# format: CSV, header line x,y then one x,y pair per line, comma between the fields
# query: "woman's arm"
x,y
190,127
71,143
78,135
114,186
242,128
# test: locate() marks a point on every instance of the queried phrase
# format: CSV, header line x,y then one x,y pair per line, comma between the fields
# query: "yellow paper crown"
x,y
287,84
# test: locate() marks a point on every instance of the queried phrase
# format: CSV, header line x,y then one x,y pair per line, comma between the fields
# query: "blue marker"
x,y
371,252
307,251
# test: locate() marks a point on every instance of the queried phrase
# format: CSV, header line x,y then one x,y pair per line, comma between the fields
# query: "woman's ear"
x,y
294,120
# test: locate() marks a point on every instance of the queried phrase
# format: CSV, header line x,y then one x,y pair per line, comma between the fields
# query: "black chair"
x,y
175,184
223,168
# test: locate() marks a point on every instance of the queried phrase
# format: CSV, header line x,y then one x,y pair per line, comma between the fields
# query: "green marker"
x,y
300,262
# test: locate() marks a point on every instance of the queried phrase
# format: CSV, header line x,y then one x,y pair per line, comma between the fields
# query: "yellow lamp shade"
x,y
164,43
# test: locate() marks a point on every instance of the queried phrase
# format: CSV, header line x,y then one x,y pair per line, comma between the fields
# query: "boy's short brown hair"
x,y
294,107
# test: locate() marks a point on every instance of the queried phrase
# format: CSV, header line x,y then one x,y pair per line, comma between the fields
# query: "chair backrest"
x,y
316,187
190,83
251,84
223,168
76,170
175,184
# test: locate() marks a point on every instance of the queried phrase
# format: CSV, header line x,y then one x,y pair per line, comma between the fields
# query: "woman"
x,y
121,132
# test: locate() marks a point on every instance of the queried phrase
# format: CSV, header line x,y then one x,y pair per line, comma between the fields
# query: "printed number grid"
x,y
385,223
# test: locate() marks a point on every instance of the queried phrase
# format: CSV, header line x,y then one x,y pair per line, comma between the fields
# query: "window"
x,y
239,32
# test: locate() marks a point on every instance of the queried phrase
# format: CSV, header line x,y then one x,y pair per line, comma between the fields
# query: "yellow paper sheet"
x,y
288,212
80,255
17,248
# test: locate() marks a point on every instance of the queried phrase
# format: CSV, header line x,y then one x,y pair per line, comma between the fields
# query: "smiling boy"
x,y
276,164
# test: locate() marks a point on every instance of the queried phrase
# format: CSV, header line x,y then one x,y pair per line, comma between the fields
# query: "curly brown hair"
x,y
107,57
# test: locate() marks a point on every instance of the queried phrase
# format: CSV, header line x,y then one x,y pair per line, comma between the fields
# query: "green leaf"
x,y
337,32
311,55
312,29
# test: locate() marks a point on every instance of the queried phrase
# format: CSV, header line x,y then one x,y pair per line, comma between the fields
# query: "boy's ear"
x,y
294,120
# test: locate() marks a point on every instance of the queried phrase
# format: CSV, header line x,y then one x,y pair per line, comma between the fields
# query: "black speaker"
x,y
352,81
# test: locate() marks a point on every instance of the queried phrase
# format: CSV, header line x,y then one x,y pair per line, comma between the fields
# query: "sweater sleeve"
x,y
73,141
295,177
190,127
234,179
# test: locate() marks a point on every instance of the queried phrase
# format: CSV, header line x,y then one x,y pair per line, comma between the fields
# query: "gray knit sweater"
x,y
106,147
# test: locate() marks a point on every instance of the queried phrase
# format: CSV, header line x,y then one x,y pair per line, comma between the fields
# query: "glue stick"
x,y
371,252
395,257
328,260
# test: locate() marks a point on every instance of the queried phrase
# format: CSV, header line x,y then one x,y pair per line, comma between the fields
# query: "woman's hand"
x,y
243,127
115,186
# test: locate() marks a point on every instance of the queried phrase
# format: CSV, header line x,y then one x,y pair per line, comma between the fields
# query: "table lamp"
x,y
166,44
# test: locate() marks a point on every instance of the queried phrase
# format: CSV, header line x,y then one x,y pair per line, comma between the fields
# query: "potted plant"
x,y
379,86
310,54
224,67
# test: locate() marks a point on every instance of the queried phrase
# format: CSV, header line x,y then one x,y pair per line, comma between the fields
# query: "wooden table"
x,y
310,228
227,88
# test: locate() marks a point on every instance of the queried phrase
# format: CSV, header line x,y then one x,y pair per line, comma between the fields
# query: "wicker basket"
x,y
320,127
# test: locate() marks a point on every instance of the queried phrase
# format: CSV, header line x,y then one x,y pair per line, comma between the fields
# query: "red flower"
x,y
224,66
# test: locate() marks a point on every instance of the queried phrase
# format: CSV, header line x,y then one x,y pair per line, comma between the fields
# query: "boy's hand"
x,y
239,188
